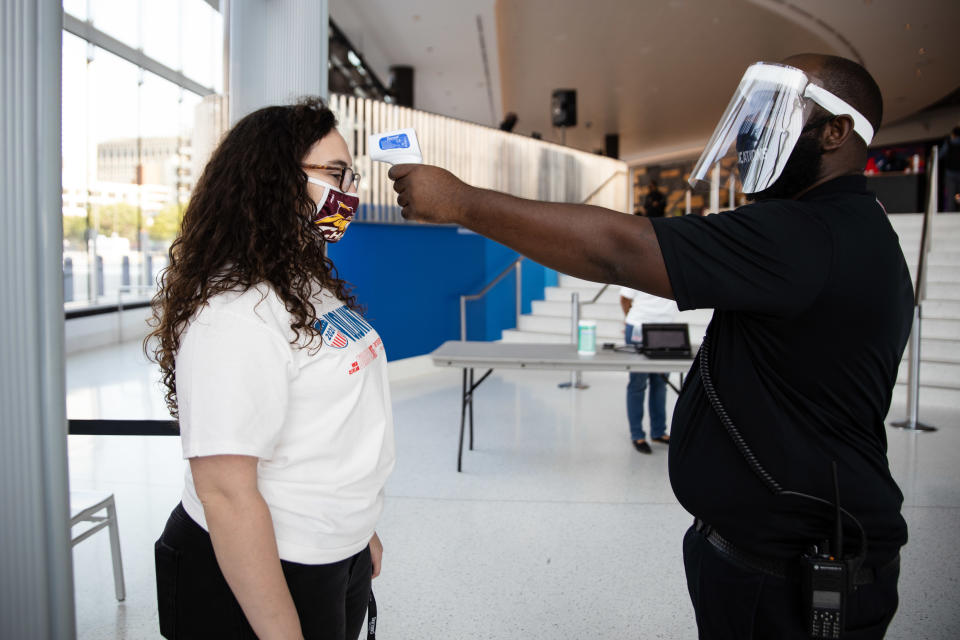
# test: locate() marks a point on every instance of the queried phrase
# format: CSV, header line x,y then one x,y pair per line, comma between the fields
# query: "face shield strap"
x,y
839,107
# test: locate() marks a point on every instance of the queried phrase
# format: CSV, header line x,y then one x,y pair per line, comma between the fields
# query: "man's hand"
x,y
429,194
376,554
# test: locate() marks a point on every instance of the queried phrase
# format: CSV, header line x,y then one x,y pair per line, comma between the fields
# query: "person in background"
x,y
891,161
280,388
655,204
949,153
640,307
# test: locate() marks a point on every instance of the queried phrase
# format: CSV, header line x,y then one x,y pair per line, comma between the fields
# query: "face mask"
x,y
334,211
798,174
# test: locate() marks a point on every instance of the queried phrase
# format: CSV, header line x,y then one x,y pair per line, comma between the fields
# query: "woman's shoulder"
x,y
261,304
258,304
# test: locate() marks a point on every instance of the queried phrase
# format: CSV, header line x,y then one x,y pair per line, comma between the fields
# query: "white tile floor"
x,y
556,529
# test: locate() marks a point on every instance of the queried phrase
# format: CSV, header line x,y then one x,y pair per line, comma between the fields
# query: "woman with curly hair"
x,y
280,388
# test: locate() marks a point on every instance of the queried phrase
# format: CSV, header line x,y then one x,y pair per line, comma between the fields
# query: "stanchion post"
x,y
912,422
575,380
574,330
715,189
519,273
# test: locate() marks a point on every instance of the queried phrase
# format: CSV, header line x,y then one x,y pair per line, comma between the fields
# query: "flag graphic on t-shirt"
x,y
340,326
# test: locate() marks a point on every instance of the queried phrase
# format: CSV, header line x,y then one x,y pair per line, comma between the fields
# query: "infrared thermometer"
x,y
395,147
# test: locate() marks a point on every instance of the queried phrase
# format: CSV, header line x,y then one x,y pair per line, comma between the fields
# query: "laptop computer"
x,y
665,340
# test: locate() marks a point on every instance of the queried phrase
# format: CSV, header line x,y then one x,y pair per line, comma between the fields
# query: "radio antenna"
x,y
838,525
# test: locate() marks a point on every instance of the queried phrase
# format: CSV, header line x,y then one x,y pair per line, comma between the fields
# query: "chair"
x,y
84,507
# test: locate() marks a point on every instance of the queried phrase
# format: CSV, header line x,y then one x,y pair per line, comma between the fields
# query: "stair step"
x,y
941,273
564,280
934,374
608,311
933,350
606,329
562,294
928,397
941,309
943,291
598,311
941,329
944,258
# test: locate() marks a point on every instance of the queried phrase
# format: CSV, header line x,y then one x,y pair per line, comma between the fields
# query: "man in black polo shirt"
x,y
813,305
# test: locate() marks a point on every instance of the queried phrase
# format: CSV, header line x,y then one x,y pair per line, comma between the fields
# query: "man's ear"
x,y
836,132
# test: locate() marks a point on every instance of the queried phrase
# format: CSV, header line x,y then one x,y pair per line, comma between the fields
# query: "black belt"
x,y
778,567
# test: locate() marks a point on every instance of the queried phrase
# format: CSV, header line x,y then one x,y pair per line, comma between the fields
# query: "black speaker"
x,y
401,84
611,145
563,107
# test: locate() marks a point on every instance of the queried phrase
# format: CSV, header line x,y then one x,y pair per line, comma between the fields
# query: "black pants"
x,y
195,601
733,601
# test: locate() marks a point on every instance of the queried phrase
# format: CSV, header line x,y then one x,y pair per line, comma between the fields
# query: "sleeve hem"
x,y
223,448
675,275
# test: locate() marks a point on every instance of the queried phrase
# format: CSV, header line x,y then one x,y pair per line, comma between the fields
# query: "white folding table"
x,y
469,355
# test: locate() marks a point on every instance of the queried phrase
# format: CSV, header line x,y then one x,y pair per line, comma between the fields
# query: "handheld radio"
x,y
825,582
395,147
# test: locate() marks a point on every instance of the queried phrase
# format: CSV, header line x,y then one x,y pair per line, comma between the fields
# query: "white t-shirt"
x,y
648,308
320,420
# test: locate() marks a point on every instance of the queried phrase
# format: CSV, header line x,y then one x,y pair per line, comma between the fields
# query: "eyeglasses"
x,y
347,179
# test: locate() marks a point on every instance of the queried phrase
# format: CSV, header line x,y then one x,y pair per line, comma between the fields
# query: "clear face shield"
x,y
763,122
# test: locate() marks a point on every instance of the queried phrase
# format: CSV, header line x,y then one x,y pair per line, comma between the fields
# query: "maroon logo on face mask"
x,y
335,215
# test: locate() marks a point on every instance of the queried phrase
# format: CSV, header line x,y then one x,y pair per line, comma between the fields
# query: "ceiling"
x,y
658,73
441,40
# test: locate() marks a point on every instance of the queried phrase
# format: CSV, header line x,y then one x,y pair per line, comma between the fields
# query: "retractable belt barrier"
x,y
123,428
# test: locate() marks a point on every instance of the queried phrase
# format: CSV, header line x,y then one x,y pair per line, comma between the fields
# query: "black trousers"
x,y
195,601
733,601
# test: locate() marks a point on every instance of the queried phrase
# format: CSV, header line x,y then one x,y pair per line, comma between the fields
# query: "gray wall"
x,y
36,580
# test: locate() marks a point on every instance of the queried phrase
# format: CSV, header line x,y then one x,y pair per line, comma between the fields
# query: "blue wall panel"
x,y
410,279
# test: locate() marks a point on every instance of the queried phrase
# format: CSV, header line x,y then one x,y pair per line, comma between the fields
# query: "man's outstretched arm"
x,y
580,240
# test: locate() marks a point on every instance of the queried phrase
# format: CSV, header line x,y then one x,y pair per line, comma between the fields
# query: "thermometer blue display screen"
x,y
397,141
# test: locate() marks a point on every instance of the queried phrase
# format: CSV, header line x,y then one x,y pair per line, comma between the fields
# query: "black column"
x,y
611,145
401,84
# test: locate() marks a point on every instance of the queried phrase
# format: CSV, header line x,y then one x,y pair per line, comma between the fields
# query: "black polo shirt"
x,y
813,307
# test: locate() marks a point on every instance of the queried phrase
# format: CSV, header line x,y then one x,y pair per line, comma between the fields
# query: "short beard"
x,y
800,172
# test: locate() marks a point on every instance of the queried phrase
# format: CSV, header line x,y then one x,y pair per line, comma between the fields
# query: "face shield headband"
x,y
335,210
764,120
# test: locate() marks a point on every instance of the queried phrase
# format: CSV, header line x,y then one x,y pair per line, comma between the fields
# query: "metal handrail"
x,y
920,292
596,297
602,185
912,421
516,265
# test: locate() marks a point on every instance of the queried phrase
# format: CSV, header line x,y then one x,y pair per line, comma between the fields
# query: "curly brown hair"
x,y
248,222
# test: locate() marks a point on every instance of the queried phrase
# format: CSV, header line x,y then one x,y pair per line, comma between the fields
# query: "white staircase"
x,y
940,349
940,343
550,320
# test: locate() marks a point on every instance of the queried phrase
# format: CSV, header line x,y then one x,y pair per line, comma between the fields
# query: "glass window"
x,y
76,169
118,18
202,37
128,142
76,8
162,40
